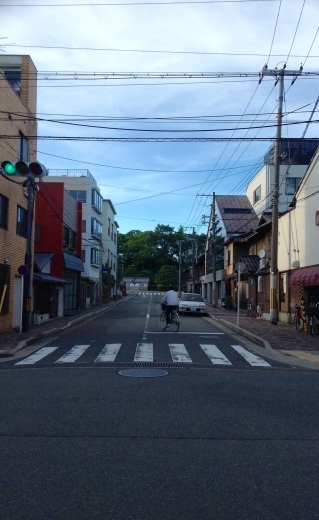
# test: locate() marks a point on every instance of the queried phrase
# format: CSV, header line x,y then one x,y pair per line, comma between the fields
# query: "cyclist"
x,y
169,303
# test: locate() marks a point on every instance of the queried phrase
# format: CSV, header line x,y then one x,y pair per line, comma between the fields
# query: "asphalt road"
x,y
81,441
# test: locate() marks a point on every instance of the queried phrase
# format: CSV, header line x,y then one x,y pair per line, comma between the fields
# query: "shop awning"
x,y
47,278
305,276
73,262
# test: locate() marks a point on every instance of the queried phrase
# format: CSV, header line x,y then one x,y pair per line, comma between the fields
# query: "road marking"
x,y
108,353
34,358
179,353
144,352
251,358
215,355
73,354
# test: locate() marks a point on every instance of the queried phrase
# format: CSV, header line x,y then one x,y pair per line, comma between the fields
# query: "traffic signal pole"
x,y
27,286
30,171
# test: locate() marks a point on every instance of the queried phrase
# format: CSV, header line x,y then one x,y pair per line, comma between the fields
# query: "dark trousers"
x,y
169,309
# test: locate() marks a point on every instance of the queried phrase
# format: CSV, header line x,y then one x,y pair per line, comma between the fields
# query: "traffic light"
x,y
24,169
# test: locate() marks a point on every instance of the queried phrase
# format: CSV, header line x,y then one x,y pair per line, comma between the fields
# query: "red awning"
x,y
305,276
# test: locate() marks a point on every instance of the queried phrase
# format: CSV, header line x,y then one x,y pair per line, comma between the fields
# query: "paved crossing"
x,y
145,352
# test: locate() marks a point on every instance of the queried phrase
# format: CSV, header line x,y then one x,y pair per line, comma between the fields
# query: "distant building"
x,y
57,258
109,242
82,186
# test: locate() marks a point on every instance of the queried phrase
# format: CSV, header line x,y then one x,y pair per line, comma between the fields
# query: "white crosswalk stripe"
x,y
252,359
37,356
179,353
109,353
73,354
144,352
215,355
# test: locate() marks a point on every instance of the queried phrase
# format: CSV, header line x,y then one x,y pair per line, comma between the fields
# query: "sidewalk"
x,y
280,338
11,342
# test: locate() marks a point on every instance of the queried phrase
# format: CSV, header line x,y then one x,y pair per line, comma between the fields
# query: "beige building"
x,y
18,129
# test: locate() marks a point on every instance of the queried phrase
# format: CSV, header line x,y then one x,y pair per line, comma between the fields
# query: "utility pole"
x,y
279,75
214,252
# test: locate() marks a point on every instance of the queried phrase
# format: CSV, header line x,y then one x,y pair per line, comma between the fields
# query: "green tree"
x,y
142,252
167,275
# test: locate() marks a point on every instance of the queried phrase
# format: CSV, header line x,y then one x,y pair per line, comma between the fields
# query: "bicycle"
x,y
298,318
174,321
314,326
249,308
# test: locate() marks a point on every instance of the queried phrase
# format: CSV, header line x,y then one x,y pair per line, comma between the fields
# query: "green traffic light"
x,y
8,167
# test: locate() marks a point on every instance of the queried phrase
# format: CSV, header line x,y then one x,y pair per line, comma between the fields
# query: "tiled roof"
x,y
240,221
251,262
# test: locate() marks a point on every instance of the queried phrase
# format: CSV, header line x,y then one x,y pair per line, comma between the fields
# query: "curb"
x,y
250,335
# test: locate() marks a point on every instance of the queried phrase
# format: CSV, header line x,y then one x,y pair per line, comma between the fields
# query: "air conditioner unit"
x,y
296,264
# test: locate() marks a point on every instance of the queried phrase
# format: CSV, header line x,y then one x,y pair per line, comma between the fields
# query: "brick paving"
x,y
279,337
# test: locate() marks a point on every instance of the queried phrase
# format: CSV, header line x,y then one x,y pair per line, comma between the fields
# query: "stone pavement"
x,y
280,338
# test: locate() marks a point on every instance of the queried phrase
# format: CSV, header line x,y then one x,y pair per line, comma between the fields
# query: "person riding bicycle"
x,y
169,303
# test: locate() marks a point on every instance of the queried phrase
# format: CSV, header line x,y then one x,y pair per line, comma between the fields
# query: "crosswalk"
x,y
144,353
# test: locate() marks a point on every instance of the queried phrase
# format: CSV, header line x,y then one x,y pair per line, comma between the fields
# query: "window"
x,y
228,257
292,185
70,238
79,195
242,211
21,222
257,194
4,287
4,202
95,256
14,78
96,228
109,227
83,226
23,148
97,200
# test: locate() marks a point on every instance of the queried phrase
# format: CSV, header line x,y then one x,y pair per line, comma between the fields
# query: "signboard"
x,y
23,270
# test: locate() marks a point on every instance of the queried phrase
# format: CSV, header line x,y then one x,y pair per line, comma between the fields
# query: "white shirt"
x,y
170,298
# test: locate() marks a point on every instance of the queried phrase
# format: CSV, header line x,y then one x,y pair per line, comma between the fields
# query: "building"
x,y
58,248
298,247
82,186
296,155
109,242
18,128
231,216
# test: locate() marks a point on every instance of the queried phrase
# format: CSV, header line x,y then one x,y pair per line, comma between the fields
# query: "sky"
x,y
161,100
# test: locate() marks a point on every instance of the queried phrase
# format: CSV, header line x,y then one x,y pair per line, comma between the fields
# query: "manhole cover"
x,y
143,372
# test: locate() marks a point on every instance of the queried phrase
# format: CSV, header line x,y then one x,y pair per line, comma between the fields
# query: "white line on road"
x,y
40,354
144,352
73,354
179,353
108,353
215,355
251,358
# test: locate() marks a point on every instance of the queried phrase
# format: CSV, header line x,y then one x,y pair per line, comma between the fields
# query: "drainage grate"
x,y
143,372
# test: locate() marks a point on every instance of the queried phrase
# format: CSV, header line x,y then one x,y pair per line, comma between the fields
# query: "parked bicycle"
x,y
298,321
174,321
314,319
250,308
